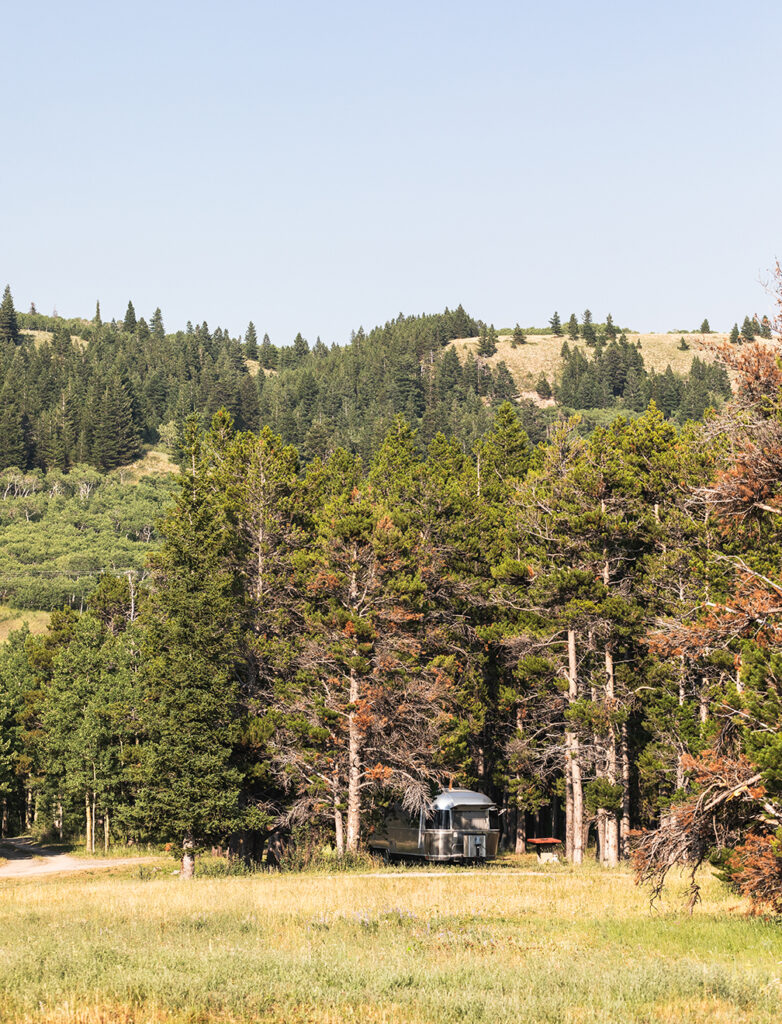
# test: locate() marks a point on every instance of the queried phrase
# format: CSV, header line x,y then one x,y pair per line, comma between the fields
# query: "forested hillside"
x,y
380,572
85,392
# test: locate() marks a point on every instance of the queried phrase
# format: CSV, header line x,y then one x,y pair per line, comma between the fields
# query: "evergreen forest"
x,y
379,571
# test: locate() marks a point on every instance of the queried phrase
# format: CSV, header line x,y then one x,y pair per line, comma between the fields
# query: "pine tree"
x,y
633,396
735,336
487,342
340,732
669,394
129,323
588,328
704,327
572,327
503,454
765,328
251,350
97,318
504,388
747,330
115,438
13,441
470,376
610,328
517,337
16,447
156,326
556,325
9,324
448,376
543,387
269,356
683,346
190,788
301,348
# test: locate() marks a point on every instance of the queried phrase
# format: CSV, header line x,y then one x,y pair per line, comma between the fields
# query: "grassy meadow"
x,y
139,945
12,619
152,463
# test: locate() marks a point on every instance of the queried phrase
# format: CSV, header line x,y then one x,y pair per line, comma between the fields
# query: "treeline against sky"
x,y
96,393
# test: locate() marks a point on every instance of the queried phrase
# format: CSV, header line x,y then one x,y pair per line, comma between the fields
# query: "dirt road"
x,y
26,859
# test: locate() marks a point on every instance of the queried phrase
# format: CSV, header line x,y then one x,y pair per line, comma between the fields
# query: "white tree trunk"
x,y
354,770
521,831
188,859
575,826
339,832
612,824
568,802
88,816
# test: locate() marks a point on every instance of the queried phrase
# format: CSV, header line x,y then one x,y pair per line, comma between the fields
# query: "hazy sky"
x,y
317,166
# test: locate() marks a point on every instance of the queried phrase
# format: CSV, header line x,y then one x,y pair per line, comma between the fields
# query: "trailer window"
x,y
473,818
438,820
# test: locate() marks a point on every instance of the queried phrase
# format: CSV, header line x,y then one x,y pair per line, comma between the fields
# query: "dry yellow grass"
x,y
254,368
541,353
39,337
576,947
152,463
14,618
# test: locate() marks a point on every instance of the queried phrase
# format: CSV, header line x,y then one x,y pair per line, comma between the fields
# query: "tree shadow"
x,y
26,848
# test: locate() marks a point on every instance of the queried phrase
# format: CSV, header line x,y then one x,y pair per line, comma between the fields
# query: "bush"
x,y
308,850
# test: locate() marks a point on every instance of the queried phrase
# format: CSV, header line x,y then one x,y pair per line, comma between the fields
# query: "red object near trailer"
x,y
546,849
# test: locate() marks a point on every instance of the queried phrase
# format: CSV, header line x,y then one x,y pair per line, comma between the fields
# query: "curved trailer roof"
x,y
460,798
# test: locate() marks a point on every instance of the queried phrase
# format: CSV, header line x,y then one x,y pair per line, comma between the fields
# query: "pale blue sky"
x,y
316,166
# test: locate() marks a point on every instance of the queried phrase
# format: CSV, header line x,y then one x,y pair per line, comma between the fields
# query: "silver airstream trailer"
x,y
459,825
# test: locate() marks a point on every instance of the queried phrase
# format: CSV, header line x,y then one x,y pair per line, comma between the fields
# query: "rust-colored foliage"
x,y
755,868
719,816
756,367
753,613
749,487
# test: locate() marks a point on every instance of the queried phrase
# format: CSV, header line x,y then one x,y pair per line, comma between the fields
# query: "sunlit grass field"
x,y
140,945
14,618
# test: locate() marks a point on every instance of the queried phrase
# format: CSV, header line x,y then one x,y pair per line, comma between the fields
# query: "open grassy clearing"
x,y
541,353
39,337
487,946
152,463
15,618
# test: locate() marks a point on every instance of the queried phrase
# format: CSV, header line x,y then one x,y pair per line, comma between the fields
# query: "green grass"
x,y
15,618
566,946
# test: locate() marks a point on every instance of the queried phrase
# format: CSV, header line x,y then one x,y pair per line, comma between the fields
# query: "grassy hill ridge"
x,y
541,353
